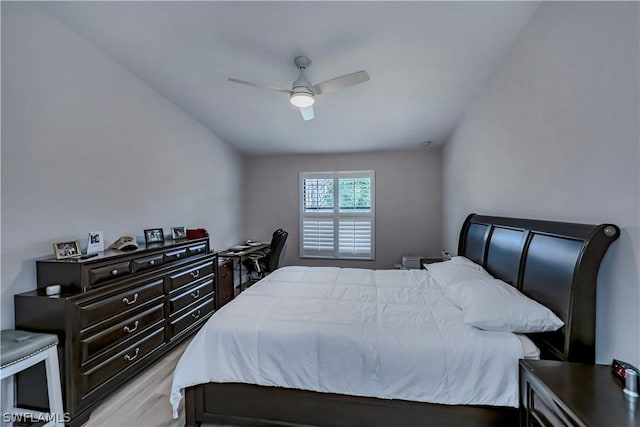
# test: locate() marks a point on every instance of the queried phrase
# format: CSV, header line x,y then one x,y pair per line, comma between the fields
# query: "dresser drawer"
x,y
200,249
175,255
194,293
109,307
184,277
117,364
141,264
109,272
95,344
190,318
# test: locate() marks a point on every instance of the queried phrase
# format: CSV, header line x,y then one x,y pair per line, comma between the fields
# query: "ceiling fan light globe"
x,y
302,100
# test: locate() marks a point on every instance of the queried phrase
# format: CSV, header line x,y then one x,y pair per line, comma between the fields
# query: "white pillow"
x,y
529,349
458,269
466,261
493,305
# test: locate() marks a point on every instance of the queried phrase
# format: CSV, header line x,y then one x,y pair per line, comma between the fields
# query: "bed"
x,y
553,263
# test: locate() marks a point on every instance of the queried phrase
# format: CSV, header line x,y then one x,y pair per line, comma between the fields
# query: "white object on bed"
x,y
529,349
457,269
493,305
385,333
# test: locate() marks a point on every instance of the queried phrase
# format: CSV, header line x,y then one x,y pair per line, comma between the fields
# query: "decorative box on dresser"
x,y
117,313
566,394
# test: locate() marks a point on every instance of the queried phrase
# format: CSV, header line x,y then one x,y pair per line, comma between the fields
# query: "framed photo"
x,y
178,233
95,242
64,250
153,235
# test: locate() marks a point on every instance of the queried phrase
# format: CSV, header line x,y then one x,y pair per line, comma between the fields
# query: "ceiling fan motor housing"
x,y
302,83
301,94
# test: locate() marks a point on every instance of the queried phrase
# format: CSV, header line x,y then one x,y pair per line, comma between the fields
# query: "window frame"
x,y
336,215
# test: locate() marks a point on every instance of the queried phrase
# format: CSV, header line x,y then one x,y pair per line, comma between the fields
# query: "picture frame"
x,y
95,242
178,233
153,235
69,249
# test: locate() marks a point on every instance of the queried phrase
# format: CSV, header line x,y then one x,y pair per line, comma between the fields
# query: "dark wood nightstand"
x,y
554,393
224,281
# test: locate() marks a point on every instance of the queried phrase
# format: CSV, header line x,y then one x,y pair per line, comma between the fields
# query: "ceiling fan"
x,y
302,93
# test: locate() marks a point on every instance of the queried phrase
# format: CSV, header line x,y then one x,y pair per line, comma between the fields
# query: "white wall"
x,y
88,146
408,201
556,136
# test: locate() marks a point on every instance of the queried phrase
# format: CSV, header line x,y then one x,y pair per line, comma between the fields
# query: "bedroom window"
x,y
337,215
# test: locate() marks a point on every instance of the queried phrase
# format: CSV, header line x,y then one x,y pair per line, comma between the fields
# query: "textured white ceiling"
x,y
427,61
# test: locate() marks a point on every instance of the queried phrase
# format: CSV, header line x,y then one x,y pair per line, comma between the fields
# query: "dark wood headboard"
x,y
554,263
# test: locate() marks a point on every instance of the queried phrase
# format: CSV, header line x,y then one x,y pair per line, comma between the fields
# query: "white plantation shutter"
x,y
355,238
337,214
317,237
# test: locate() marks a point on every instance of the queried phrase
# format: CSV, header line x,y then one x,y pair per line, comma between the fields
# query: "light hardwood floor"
x,y
144,401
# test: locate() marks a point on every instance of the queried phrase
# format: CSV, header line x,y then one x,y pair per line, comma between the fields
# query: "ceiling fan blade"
x,y
258,85
340,82
307,113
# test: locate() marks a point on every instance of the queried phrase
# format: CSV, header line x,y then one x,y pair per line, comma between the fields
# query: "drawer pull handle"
x,y
196,315
153,261
135,326
114,272
195,294
130,358
126,300
224,275
177,255
195,274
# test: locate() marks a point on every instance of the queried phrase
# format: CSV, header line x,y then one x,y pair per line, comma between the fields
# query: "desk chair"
x,y
20,350
264,262
256,259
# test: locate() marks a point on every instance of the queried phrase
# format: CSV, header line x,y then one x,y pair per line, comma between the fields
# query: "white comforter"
x,y
383,333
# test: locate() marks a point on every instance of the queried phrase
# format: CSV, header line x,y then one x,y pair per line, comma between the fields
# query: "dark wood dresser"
x,y
554,393
117,313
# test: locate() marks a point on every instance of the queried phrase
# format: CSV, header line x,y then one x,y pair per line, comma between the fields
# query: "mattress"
x,y
377,333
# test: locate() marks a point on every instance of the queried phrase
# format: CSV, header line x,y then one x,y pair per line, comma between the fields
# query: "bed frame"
x,y
554,263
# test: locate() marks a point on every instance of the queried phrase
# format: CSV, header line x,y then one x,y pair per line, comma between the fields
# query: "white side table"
x,y
20,350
